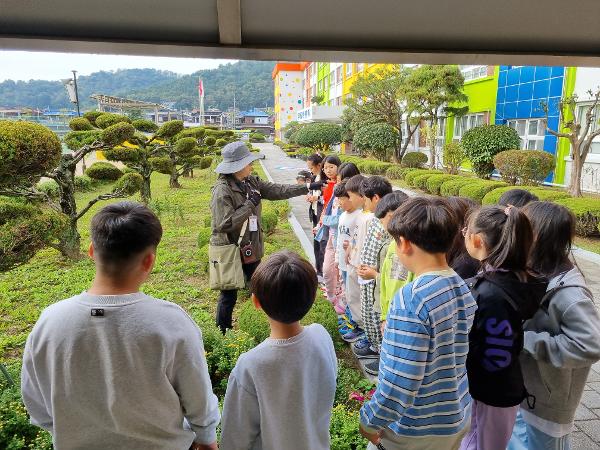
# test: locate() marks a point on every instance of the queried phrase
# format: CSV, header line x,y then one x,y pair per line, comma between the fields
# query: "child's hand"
x,y
346,245
196,446
366,272
374,438
382,325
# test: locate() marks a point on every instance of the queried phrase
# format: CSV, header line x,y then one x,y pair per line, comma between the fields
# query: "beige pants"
x,y
391,441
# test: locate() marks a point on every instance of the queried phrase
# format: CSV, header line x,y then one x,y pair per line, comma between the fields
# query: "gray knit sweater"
x,y
118,372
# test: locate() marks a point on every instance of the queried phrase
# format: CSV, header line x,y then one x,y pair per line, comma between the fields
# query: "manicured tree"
x,y
432,89
319,135
379,138
580,131
482,143
29,151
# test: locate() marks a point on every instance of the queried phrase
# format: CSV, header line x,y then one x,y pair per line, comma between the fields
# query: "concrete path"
x,y
587,421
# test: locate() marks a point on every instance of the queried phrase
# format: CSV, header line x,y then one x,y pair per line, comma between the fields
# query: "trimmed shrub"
x,y
451,187
493,197
210,141
206,162
117,134
170,129
257,137
161,164
83,183
377,138
269,220
129,184
434,182
420,182
476,191
106,120
372,167
396,172
414,160
278,143
454,156
524,166
147,126
91,116
50,188
123,154
409,177
253,321
319,135
482,143
104,171
221,142
587,212
204,235
281,207
80,124
549,195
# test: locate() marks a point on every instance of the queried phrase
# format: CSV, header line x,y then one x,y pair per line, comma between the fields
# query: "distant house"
x,y
256,120
212,117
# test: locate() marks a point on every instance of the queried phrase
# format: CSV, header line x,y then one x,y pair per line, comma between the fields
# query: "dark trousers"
x,y
319,255
227,300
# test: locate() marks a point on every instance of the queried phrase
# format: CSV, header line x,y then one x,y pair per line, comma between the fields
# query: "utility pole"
x,y
233,124
83,166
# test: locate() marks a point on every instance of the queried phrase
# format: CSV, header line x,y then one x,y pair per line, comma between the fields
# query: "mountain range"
x,y
250,81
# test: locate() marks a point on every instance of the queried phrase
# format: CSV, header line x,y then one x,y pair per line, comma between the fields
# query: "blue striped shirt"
x,y
423,388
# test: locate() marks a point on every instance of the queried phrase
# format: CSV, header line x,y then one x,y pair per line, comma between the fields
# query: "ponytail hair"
x,y
507,235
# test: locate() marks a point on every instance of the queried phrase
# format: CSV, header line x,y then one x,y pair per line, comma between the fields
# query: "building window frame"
x,y
532,132
466,122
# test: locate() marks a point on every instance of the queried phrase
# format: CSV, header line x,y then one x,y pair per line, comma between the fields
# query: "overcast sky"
x,y
54,66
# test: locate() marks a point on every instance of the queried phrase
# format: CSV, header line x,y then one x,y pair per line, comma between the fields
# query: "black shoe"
x,y
372,368
365,353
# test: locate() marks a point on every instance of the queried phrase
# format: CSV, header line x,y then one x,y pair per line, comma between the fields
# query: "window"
x,y
349,69
331,78
360,67
473,72
338,75
464,123
581,111
441,133
531,132
338,101
321,83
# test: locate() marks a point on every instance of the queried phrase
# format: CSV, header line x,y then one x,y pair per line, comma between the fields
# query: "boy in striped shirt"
x,y
422,399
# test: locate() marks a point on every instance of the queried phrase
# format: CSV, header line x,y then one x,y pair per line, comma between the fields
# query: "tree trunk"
x,y
70,242
574,188
174,179
145,192
188,173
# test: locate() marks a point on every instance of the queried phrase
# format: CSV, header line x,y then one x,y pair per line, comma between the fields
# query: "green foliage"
x,y
420,181
482,143
108,119
145,125
290,129
278,143
91,116
524,166
380,139
206,162
128,184
587,213
185,147
50,188
204,236
77,139
454,155
476,191
373,167
116,134
161,164
396,172
253,321
170,129
221,142
27,151
281,208
322,312
104,171
451,187
195,132
414,160
257,137
319,135
269,220
549,195
344,430
123,154
434,182
83,183
210,141
544,194
24,230
80,124
410,176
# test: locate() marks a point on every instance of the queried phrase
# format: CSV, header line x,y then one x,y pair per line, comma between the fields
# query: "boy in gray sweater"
x,y
113,368
280,393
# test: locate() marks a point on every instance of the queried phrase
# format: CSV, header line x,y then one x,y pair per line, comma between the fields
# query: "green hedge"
x,y
476,191
414,159
587,212
451,187
420,182
396,172
409,177
434,182
544,194
373,167
269,220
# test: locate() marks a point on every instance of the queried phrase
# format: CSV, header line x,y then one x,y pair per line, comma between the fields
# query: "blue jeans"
x,y
526,437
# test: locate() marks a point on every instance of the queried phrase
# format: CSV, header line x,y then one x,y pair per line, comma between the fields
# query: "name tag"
x,y
253,223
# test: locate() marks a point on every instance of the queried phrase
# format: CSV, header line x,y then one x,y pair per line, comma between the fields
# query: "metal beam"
x,y
273,53
229,13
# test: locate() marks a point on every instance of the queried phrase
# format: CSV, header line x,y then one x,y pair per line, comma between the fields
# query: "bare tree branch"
x,y
119,193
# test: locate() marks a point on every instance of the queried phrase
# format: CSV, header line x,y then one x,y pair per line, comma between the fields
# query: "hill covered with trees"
x,y
250,80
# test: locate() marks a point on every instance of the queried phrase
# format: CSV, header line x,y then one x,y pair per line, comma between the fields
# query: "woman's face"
x,y
315,169
330,170
244,173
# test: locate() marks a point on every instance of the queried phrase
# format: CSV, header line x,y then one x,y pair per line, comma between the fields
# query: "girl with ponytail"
x,y
507,294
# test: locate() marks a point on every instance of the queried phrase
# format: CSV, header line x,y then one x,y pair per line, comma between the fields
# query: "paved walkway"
x,y
587,421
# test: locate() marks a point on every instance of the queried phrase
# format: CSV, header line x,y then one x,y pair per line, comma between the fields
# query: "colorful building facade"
x,y
288,79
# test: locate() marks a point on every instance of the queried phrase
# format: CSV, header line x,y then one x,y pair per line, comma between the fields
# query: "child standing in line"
x,y
507,295
314,198
353,188
330,167
458,258
373,189
280,394
562,340
383,212
422,399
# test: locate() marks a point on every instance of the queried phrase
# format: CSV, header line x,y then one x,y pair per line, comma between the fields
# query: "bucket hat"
x,y
236,156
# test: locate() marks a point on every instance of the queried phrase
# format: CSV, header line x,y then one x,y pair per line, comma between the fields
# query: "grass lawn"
x,y
591,244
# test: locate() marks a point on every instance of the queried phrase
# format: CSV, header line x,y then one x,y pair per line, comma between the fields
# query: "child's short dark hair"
x,y
355,183
347,170
285,285
428,223
340,189
517,197
390,202
376,185
122,231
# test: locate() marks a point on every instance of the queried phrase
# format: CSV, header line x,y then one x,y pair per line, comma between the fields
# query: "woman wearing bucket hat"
x,y
235,206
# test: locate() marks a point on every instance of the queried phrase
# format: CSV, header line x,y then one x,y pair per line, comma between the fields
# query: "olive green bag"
x,y
225,265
